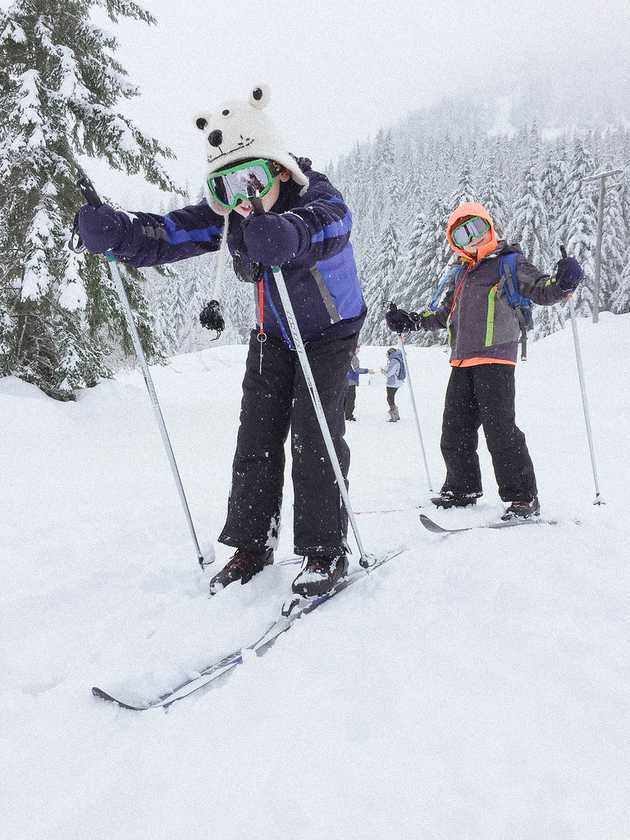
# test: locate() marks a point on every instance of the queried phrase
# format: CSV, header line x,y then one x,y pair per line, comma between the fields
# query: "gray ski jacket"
x,y
480,321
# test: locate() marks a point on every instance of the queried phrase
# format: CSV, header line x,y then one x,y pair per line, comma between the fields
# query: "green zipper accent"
x,y
490,317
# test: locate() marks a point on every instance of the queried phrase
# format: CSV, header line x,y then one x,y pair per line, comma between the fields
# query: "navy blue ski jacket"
x,y
322,280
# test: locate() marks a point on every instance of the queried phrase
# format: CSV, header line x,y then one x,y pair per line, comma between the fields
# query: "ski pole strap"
x,y
461,278
261,308
450,276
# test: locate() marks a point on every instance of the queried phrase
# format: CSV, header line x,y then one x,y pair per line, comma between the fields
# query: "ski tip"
x,y
432,526
104,695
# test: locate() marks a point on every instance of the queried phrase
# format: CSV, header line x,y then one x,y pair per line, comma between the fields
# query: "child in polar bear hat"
x,y
305,229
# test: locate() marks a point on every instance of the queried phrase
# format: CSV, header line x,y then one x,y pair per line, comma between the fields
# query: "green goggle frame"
x,y
241,182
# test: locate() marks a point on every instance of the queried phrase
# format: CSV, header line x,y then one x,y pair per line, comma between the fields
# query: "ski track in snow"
x,y
476,687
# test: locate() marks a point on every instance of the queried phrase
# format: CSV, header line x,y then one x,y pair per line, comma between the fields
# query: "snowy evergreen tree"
x,y
529,225
492,191
553,178
409,288
620,302
380,286
466,187
59,84
578,222
614,243
621,296
432,255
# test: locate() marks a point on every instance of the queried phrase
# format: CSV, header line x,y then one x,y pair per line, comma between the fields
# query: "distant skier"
x,y
395,373
308,234
352,383
483,329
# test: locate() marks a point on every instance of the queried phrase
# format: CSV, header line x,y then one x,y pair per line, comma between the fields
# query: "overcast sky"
x,y
340,69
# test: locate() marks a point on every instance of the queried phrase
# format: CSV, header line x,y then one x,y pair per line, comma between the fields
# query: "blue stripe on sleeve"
x,y
338,228
175,236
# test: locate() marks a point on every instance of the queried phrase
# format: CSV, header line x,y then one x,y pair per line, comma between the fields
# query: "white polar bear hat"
x,y
238,131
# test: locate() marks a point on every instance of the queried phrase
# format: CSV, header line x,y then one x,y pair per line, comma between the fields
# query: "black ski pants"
x,y
483,395
273,401
350,401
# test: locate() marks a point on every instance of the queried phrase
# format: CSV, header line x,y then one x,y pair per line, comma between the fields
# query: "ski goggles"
x,y
242,181
469,231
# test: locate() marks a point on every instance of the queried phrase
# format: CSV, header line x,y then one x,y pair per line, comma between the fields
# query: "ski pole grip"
x,y
88,191
256,202
563,251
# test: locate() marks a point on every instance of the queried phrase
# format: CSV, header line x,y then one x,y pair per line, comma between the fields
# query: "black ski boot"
x,y
320,574
242,566
449,498
522,510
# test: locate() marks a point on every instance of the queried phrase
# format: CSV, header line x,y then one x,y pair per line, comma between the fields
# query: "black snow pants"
x,y
483,395
272,402
350,401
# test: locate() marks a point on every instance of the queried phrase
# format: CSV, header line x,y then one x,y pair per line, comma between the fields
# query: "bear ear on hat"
x,y
259,96
202,120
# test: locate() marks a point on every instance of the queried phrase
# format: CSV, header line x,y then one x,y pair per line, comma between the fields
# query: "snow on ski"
x,y
299,606
435,528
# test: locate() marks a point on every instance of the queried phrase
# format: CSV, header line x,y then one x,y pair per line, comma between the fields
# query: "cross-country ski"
x,y
293,609
496,524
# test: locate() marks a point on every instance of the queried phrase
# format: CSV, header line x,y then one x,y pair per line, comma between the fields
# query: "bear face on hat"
x,y
241,130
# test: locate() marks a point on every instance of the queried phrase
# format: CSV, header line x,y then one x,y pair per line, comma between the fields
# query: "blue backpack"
x,y
521,305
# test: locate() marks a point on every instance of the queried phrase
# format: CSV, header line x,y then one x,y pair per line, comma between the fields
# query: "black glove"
x,y
400,321
245,269
568,273
210,317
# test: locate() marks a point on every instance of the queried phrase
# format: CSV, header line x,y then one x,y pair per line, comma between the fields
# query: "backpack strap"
x,y
507,270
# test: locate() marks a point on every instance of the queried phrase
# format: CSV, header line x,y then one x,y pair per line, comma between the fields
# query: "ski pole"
x,y
365,560
587,418
415,412
92,198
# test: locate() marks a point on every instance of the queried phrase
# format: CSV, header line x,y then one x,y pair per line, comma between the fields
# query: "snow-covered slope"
x,y
476,687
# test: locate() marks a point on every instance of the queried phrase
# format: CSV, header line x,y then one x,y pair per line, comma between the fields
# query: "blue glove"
x,y
568,273
271,239
400,321
102,228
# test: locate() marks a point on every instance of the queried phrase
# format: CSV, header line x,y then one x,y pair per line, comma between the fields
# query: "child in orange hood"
x,y
484,330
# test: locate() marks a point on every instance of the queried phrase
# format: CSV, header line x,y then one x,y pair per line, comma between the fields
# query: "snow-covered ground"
x,y
476,687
